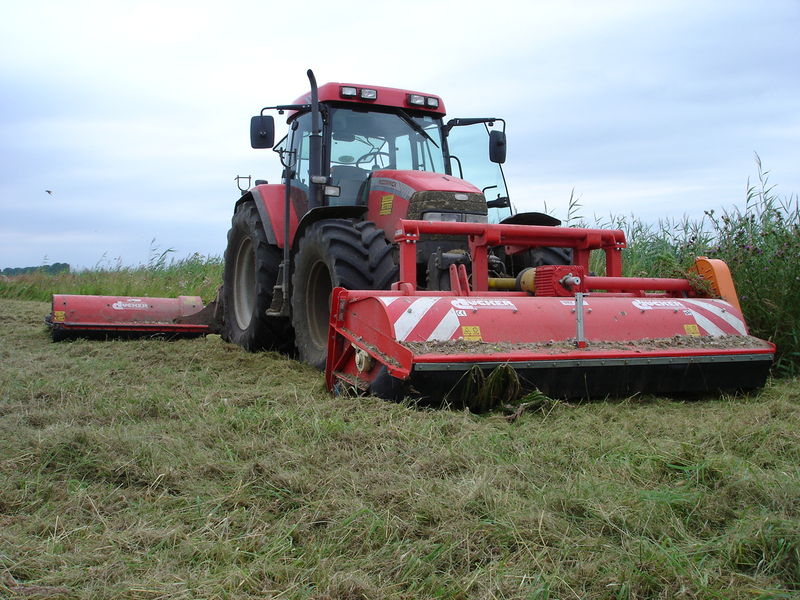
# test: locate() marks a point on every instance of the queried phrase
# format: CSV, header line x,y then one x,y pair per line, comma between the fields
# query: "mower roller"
x,y
563,331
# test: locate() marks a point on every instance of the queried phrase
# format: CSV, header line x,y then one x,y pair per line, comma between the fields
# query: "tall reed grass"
x,y
760,242
162,275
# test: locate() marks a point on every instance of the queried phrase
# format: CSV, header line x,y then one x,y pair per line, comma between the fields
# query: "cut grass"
x,y
190,469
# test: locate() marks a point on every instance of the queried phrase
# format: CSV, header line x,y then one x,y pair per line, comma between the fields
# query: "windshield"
x,y
378,140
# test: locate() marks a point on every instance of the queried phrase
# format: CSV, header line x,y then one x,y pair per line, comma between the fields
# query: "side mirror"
x,y
262,131
502,202
497,146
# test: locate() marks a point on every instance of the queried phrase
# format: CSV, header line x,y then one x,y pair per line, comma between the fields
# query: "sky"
x,y
135,114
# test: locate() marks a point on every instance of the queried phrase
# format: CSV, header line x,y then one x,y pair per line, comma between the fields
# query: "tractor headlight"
x,y
424,101
454,217
442,216
350,91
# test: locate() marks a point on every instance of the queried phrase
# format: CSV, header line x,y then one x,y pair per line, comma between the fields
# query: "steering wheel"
x,y
373,156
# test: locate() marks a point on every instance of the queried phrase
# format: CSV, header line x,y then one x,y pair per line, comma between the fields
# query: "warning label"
x,y
386,204
692,329
471,333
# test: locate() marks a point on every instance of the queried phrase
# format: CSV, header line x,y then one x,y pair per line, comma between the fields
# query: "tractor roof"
x,y
383,96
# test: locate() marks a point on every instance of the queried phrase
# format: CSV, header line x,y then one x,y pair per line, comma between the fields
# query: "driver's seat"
x,y
349,179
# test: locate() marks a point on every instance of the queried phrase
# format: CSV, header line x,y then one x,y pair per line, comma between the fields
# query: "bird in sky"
x,y
49,192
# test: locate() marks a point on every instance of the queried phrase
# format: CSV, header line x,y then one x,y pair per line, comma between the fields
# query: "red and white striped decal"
x,y
434,318
715,318
421,319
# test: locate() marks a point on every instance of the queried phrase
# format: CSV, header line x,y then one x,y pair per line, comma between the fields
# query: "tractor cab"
x,y
367,137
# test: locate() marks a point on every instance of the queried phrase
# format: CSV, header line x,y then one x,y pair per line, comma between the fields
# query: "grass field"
x,y
150,469
190,469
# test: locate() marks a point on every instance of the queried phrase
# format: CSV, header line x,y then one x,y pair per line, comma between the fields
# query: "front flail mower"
x,y
564,331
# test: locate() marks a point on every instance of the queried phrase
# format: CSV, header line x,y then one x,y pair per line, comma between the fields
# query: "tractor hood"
x,y
404,183
395,195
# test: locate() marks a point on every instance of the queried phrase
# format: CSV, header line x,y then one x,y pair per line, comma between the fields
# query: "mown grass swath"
x,y
147,469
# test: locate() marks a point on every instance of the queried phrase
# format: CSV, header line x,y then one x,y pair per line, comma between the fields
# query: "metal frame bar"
x,y
481,236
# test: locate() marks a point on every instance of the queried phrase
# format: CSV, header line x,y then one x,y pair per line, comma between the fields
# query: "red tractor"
x,y
376,259
357,160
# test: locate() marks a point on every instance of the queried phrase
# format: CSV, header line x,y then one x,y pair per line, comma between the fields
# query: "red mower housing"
x,y
572,335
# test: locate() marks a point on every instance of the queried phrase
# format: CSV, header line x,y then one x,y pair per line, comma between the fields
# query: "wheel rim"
x,y
244,284
318,300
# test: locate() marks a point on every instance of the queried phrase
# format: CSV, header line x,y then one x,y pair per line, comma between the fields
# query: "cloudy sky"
x,y
135,114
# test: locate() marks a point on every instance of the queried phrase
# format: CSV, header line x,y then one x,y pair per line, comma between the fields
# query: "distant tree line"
x,y
53,269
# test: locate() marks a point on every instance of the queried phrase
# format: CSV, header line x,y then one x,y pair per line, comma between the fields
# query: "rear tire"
x,y
334,253
251,271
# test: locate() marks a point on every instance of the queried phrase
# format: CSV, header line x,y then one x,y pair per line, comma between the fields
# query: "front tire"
x,y
334,253
251,271
542,256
